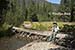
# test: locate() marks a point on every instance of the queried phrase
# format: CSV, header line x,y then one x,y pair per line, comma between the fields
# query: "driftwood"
x,y
34,34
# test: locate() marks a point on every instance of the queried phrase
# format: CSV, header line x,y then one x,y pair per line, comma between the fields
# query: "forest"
x,y
40,14
35,10
15,12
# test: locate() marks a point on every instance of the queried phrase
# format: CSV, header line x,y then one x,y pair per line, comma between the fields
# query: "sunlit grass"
x,y
46,25
42,25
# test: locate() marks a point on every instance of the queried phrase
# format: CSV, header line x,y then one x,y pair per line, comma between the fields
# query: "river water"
x,y
13,43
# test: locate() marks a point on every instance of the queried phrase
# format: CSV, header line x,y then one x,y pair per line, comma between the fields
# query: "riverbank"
x,y
12,43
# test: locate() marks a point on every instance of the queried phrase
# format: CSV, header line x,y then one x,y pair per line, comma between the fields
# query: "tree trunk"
x,y
72,10
72,16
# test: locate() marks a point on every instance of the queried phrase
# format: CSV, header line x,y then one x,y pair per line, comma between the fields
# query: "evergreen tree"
x,y
68,6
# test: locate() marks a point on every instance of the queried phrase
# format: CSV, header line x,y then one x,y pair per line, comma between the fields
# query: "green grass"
x,y
43,25
5,31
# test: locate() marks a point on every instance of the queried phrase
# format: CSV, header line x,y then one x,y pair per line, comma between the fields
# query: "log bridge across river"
x,y
34,34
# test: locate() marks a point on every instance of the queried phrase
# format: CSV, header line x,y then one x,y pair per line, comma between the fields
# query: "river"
x,y
13,43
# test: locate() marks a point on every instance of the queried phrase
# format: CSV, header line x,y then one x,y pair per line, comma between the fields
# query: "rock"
x,y
27,25
40,46
61,36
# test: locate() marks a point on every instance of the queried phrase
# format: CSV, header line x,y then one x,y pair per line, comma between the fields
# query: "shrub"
x,y
70,40
68,28
5,30
44,25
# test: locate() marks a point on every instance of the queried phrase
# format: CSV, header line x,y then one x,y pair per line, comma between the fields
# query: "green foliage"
x,y
68,6
14,15
5,30
18,12
15,12
68,41
36,25
68,28
44,25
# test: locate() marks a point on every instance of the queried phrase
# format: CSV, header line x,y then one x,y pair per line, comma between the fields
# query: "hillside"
x,y
41,2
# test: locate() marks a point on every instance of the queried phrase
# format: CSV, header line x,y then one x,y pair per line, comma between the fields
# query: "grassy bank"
x,y
46,25
5,29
